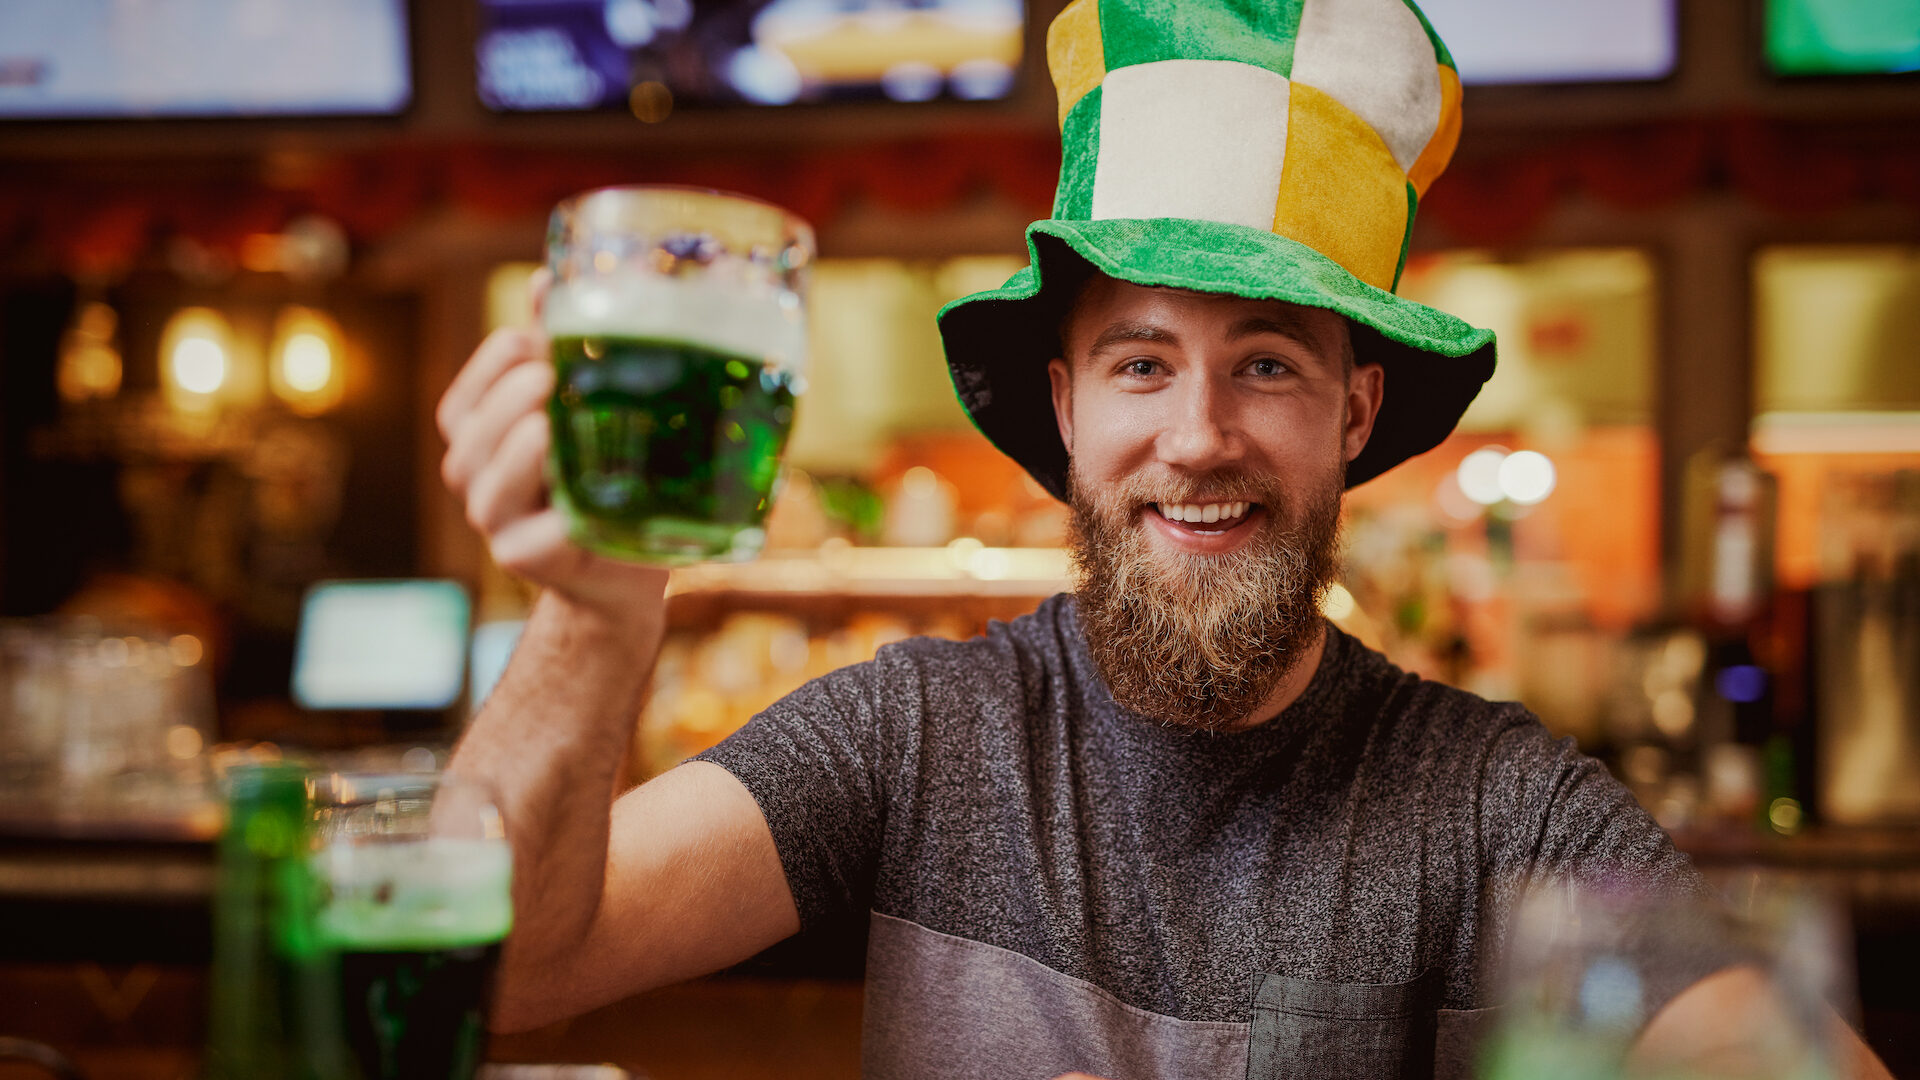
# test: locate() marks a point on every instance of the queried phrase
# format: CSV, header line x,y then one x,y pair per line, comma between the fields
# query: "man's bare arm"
x,y
681,877
1733,1023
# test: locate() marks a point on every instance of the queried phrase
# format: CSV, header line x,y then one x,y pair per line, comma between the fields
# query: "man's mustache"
x,y
1128,497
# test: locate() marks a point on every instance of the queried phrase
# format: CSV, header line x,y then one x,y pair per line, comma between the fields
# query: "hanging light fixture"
x,y
89,357
306,370
196,358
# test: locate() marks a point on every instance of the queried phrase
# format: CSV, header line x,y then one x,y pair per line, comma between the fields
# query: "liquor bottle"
x,y
253,1026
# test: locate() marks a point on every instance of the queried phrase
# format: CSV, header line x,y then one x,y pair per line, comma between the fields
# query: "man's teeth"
x,y
1203,513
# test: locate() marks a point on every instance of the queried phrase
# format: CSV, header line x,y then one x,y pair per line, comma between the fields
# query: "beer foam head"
x,y
760,322
416,894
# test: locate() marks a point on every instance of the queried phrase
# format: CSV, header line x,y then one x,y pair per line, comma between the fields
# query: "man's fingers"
x,y
511,485
535,547
537,286
501,350
517,393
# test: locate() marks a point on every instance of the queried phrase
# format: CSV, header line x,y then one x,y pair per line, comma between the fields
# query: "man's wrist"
x,y
590,625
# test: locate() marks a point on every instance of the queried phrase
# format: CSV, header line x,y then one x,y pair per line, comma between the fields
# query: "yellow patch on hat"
x,y
1340,191
1076,54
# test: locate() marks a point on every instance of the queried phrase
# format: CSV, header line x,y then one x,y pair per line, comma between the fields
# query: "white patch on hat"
x,y
1201,139
1373,56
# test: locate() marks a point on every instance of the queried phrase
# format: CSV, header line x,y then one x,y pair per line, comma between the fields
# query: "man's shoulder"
x,y
1037,641
1430,717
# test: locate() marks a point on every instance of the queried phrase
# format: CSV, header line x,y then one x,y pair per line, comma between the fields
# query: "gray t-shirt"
x,y
1055,883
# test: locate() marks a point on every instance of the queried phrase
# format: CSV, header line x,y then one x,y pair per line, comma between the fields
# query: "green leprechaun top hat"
x,y
1271,150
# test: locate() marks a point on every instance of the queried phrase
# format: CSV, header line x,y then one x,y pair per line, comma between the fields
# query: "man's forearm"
x,y
1735,1023
550,741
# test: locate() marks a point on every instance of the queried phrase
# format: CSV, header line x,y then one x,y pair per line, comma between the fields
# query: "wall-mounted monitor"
x,y
556,55
1556,41
391,645
1843,37
107,59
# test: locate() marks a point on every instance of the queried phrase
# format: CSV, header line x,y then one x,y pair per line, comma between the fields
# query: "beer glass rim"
x,y
789,218
349,787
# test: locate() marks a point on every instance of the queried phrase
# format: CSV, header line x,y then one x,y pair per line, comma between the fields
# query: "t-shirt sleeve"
x,y
1549,810
1554,818
815,761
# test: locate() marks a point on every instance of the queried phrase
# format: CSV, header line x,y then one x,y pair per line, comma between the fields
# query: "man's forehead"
x,y
1106,304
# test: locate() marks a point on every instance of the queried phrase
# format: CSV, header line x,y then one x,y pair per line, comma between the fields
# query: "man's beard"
x,y
1200,641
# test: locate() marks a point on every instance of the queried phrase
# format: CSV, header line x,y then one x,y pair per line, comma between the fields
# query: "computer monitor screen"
x,y
1556,41
1843,37
81,59
381,645
648,54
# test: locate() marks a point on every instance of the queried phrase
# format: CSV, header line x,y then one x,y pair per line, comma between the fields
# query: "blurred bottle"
x,y
272,1010
1727,544
1747,753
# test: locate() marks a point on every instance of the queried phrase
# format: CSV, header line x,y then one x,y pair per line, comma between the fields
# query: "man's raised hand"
x,y
494,419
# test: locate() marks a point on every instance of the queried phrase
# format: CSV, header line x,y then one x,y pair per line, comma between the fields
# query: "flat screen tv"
x,y
383,645
559,55
1843,37
1556,41
111,59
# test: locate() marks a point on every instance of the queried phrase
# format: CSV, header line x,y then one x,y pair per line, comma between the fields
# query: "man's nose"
x,y
1202,433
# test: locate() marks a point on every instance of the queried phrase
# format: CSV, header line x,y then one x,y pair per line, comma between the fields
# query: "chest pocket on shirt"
x,y
1342,1031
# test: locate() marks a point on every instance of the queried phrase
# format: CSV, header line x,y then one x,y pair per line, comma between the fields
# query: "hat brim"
x,y
999,342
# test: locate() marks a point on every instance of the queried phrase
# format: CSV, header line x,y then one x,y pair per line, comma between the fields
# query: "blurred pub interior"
x,y
244,246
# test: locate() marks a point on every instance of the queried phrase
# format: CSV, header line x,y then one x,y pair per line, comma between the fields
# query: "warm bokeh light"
x,y
307,361
89,356
1784,815
1526,477
650,102
187,649
196,351
184,742
199,364
1479,474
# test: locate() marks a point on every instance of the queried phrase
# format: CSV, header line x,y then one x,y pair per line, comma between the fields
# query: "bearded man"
x,y
1174,824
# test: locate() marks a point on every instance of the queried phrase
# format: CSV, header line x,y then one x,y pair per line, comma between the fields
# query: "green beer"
x,y
678,328
665,447
416,927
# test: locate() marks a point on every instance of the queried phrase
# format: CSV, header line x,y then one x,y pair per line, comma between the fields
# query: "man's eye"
x,y
1142,368
1267,368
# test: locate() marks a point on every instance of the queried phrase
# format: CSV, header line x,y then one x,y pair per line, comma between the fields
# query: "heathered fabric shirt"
x,y
1055,883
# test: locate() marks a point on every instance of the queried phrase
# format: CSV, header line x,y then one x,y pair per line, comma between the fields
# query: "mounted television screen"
x,y
381,645
1843,37
547,55
1556,41
88,59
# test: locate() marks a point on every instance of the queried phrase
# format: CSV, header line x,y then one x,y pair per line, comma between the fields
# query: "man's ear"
x,y
1061,376
1366,389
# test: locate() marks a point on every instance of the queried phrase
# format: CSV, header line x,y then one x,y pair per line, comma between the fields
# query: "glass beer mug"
x,y
678,329
414,899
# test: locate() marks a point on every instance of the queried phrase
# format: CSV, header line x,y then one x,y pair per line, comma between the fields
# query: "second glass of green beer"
x,y
678,327
414,900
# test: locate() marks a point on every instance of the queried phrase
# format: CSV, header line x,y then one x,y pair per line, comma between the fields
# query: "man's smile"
x,y
1225,514
1204,527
